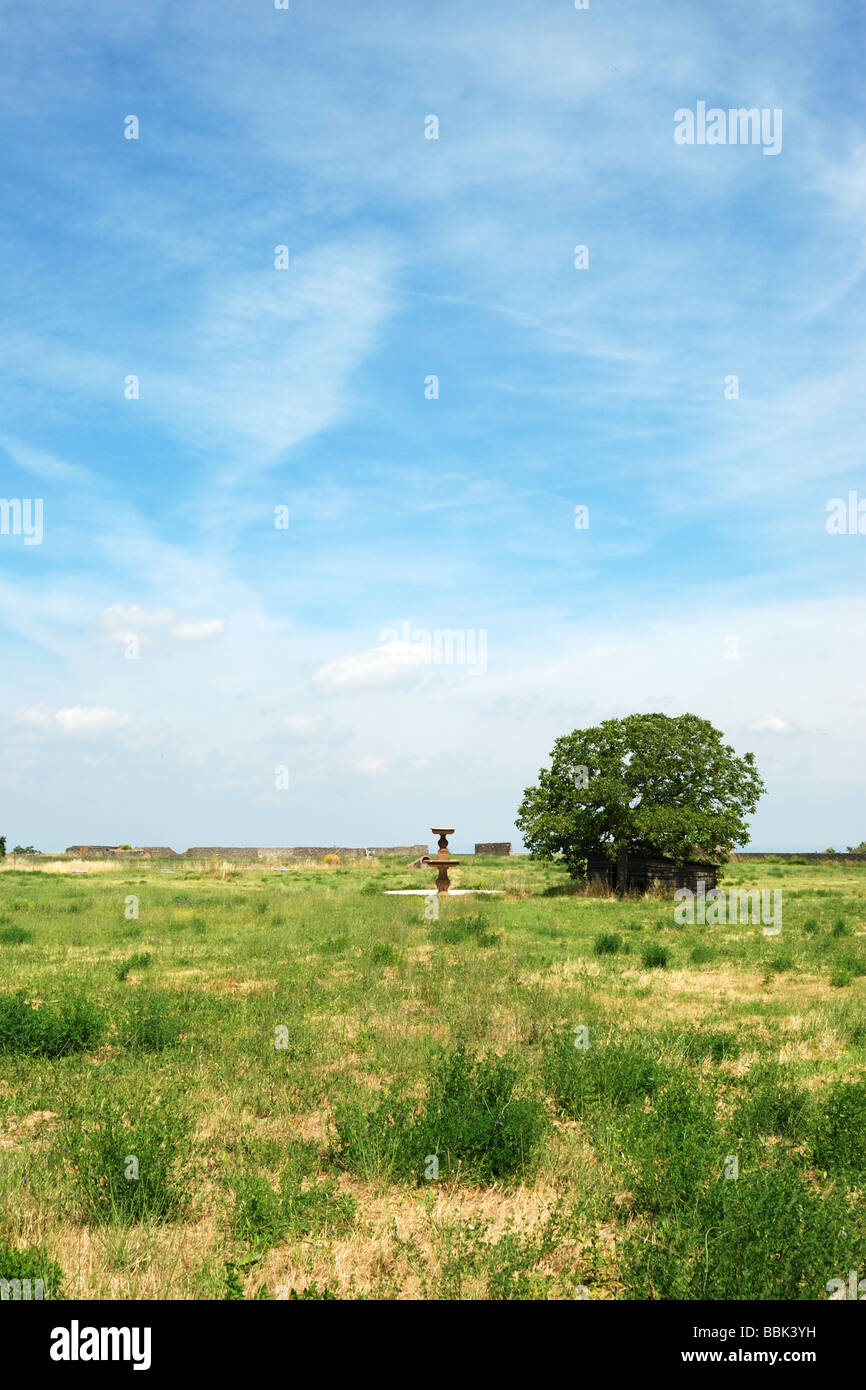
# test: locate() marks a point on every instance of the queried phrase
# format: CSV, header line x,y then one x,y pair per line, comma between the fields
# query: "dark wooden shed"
x,y
642,869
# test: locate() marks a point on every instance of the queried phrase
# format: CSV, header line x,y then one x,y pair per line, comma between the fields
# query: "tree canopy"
x,y
651,783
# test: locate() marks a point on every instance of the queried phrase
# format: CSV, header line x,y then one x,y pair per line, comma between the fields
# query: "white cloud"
x,y
72,719
377,669
372,765
771,724
123,619
198,630
35,716
44,465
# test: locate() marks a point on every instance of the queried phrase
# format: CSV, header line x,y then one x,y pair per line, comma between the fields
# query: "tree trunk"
x,y
621,871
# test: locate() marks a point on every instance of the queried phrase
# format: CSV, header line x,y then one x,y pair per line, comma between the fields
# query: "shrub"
x,y
233,1286
138,961
853,963
153,1022
333,946
839,1136
257,1216
654,956
75,1024
767,1236
383,954
669,1146
264,1218
374,1142
131,1162
841,977
470,927
606,1074
702,955
14,935
779,963
714,1043
473,1122
470,1260
773,1105
31,1263
607,944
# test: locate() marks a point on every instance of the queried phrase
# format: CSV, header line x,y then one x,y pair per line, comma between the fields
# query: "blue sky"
x,y
305,388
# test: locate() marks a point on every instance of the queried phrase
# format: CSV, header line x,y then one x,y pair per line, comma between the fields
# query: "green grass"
x,y
33,1264
130,1157
473,1123
284,1056
655,956
607,943
305,1205
33,1028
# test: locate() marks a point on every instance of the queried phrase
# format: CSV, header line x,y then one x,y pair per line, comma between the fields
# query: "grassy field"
x,y
287,1084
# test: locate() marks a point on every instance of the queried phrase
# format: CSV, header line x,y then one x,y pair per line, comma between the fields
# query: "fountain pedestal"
x,y
442,863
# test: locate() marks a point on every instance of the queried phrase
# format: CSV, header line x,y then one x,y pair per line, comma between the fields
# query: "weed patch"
x,y
74,1024
473,1124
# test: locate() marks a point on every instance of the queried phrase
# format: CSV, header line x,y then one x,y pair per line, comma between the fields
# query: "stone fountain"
x,y
442,863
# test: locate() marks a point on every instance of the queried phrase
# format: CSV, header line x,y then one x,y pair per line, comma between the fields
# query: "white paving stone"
x,y
431,892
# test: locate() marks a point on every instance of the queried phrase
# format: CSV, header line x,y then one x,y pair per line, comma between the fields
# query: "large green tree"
x,y
647,783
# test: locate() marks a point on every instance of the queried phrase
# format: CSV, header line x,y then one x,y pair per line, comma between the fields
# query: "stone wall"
x,y
493,847
249,854
811,857
149,852
94,851
300,852
114,852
